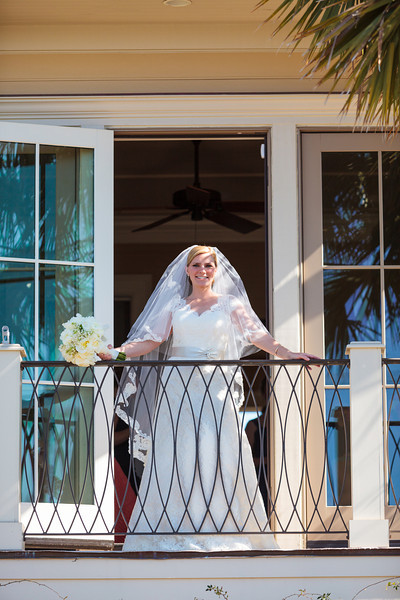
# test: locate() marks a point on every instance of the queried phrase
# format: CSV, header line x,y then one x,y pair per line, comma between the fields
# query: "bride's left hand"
x,y
105,355
303,356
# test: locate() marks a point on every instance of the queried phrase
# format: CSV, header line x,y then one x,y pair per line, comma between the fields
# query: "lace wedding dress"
x,y
199,487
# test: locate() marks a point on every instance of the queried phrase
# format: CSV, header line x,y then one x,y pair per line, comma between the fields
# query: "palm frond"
x,y
355,42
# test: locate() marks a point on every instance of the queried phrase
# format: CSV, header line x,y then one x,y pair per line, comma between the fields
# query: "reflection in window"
x,y
392,312
338,448
352,308
17,296
65,448
393,416
17,200
352,312
391,203
66,204
350,208
63,292
50,293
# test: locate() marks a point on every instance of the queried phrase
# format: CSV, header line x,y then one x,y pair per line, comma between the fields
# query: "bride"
x,y
199,486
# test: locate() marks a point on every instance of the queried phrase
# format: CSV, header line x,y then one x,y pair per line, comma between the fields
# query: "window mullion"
x,y
381,248
36,320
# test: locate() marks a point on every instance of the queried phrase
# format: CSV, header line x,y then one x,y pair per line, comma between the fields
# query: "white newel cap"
x,y
13,348
365,346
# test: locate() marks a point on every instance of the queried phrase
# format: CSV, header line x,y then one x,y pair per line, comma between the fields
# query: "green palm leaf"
x,y
355,42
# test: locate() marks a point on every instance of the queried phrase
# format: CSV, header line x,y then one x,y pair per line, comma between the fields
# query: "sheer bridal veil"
x,y
137,397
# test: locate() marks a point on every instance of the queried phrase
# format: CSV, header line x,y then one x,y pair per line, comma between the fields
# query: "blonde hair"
x,y
196,250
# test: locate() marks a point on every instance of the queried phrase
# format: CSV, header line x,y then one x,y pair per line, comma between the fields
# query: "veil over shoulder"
x,y
138,392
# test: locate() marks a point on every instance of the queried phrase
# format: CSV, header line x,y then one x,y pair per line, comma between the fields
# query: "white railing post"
x,y
368,528
11,534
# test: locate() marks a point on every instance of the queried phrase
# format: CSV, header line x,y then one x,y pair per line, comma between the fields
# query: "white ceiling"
x,y
147,173
40,12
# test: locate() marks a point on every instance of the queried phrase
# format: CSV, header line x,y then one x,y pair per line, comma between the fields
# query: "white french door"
x,y
351,291
56,259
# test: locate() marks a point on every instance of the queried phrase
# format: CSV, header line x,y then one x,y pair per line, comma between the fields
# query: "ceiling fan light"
x,y
177,3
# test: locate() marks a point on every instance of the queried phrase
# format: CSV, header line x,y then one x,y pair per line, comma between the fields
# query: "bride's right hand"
x,y
105,355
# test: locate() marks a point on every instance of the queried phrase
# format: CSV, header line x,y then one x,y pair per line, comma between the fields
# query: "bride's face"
x,y
202,270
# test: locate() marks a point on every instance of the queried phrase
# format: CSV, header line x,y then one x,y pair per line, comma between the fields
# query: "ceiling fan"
x,y
202,203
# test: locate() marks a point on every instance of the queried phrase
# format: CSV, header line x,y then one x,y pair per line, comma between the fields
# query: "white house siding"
x,y
95,48
259,578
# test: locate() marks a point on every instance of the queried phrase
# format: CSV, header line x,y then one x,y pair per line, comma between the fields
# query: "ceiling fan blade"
x,y
232,221
161,221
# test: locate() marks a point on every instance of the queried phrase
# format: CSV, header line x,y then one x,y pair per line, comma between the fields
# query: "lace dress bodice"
x,y
199,336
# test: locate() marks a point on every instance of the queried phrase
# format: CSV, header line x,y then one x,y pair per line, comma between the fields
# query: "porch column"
x,y
286,327
10,446
368,528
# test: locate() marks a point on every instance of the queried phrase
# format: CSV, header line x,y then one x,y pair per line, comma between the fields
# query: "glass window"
x,y
17,200
337,447
392,313
66,204
391,203
351,307
393,446
350,208
65,448
43,284
64,291
360,200
17,302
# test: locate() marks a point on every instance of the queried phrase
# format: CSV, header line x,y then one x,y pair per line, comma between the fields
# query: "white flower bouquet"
x,y
82,339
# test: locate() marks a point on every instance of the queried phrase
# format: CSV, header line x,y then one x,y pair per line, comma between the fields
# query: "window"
x,y
352,274
49,267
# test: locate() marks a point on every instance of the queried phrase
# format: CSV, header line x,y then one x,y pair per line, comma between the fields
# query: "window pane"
x,y
391,203
63,292
27,445
393,412
350,208
392,297
66,204
338,487
17,296
65,444
352,309
17,200
392,305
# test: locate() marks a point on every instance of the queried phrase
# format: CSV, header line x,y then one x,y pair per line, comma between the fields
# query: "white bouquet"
x,y
82,339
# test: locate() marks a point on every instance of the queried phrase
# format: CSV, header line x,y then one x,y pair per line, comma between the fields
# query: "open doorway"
x,y
148,173
171,193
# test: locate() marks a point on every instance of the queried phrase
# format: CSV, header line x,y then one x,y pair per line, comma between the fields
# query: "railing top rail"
x,y
149,363
391,361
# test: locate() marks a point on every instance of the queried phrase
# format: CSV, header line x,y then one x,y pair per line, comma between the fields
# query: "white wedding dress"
x,y
199,487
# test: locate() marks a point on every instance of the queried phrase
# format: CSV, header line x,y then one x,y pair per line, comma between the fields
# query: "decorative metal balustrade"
x,y
391,381
79,479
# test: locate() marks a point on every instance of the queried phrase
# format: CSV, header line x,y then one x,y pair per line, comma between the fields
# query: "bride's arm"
x,y
267,343
261,338
139,347
132,349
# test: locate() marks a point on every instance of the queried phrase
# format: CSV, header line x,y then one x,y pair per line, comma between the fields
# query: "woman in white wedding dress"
x,y
199,486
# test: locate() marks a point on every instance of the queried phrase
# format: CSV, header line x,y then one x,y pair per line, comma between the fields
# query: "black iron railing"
x,y
280,463
392,441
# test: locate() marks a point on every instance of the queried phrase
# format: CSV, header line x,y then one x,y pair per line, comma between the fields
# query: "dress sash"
x,y
193,353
